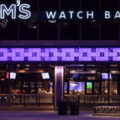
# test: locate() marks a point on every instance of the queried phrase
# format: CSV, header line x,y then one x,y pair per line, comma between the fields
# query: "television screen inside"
x,y
75,76
45,76
89,85
77,87
12,75
105,76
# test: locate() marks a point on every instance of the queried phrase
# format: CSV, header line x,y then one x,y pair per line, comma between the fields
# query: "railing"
x,y
26,99
39,99
94,99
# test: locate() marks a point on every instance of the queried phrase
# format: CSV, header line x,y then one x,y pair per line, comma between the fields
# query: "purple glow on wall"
x,y
59,54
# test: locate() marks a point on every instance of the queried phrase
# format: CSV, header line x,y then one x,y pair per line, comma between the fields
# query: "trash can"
x,y
74,108
63,108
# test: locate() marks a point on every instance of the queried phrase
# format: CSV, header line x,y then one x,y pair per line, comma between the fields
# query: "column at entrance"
x,y
59,82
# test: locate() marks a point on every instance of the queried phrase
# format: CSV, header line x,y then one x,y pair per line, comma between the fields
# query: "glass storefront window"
x,y
26,84
96,87
104,87
102,79
113,88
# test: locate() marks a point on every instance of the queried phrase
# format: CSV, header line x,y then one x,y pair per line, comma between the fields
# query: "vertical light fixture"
x,y
59,79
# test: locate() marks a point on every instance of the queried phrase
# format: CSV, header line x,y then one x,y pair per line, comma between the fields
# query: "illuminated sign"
x,y
69,14
24,12
80,15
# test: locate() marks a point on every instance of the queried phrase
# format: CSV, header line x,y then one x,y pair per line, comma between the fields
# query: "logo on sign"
x,y
11,11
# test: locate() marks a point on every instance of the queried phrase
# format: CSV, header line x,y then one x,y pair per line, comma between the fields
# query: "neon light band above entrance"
x,y
60,54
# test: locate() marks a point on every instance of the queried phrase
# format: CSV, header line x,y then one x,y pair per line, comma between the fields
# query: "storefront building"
x,y
45,61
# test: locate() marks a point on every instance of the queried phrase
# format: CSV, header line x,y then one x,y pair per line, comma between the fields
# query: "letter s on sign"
x,y
25,13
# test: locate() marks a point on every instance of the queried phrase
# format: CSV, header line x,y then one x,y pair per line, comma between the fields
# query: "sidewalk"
x,y
49,115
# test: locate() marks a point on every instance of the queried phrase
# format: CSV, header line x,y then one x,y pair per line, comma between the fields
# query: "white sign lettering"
x,y
24,12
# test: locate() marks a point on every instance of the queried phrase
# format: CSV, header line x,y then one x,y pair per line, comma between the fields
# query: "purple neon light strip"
x,y
59,54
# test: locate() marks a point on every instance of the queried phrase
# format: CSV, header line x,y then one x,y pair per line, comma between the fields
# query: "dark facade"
x,y
73,32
